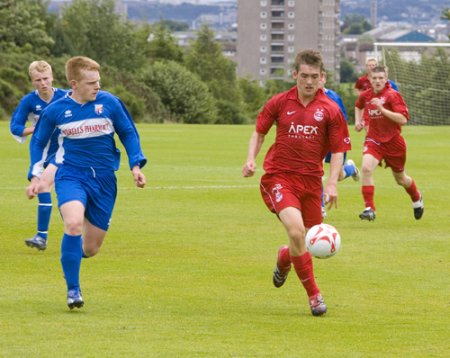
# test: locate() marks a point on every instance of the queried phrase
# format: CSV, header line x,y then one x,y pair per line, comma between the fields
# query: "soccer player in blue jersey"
x,y
87,158
30,108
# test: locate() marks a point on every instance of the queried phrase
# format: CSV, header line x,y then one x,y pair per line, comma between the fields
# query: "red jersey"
x,y
363,83
304,134
381,128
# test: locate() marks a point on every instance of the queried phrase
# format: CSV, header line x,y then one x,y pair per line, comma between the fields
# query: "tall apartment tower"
x,y
271,32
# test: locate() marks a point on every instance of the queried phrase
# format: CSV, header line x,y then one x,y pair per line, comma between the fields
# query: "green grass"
x,y
185,270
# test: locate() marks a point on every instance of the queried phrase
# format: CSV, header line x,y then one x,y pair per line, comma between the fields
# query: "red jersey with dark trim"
x,y
304,134
363,83
381,128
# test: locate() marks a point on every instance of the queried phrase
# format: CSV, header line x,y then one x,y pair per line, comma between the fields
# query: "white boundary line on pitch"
x,y
195,187
168,187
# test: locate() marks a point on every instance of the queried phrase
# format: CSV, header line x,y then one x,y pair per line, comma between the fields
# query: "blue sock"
x,y
44,213
71,260
349,170
323,199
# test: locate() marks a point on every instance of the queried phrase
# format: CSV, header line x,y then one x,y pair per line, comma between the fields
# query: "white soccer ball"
x,y
323,241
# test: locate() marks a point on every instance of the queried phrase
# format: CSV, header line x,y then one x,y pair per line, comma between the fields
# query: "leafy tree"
x,y
347,72
23,24
162,45
173,25
141,100
205,58
355,24
183,94
349,97
93,29
274,86
253,95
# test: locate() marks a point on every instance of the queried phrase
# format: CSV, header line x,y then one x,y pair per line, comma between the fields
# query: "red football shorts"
x,y
393,152
304,192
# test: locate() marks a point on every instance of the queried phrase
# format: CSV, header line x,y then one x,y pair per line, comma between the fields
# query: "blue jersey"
x,y
86,134
393,85
30,108
337,99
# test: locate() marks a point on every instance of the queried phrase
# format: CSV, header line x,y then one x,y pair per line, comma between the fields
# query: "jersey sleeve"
x,y
358,85
268,115
399,105
39,144
339,137
128,135
19,119
361,101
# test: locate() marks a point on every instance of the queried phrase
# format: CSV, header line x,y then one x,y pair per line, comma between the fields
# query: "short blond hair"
x,y
371,58
39,66
76,64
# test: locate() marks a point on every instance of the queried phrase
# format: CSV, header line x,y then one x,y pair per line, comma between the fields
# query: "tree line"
x,y
157,79
142,63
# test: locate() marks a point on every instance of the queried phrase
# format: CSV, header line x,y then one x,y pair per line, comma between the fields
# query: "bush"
x,y
229,113
186,98
9,96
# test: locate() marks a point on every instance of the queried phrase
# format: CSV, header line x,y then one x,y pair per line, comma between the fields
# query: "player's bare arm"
x,y
330,191
359,124
256,141
28,131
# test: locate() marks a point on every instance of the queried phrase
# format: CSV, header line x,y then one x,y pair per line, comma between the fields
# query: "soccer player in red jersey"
x,y
308,125
387,112
363,82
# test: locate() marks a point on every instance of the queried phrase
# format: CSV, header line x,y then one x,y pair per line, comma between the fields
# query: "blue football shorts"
x,y
95,189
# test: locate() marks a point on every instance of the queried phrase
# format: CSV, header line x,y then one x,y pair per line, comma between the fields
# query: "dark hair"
x,y
309,57
379,69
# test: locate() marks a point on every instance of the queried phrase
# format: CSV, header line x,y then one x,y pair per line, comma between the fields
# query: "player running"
x,y
308,125
30,108
85,182
387,112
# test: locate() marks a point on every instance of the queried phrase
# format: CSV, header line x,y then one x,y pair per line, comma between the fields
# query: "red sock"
x,y
368,192
284,259
412,191
304,268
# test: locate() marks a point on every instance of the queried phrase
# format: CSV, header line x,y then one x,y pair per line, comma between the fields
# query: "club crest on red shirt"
x,y
318,115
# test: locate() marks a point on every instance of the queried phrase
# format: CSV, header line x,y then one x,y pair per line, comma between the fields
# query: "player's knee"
x,y
45,186
73,226
402,180
90,251
297,235
366,170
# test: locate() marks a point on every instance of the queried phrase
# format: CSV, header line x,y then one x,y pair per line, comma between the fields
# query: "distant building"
x,y
358,48
271,32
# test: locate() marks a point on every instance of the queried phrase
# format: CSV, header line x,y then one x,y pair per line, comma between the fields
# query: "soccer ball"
x,y
323,241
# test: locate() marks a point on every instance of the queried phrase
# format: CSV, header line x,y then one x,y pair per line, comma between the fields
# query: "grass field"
x,y
186,267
